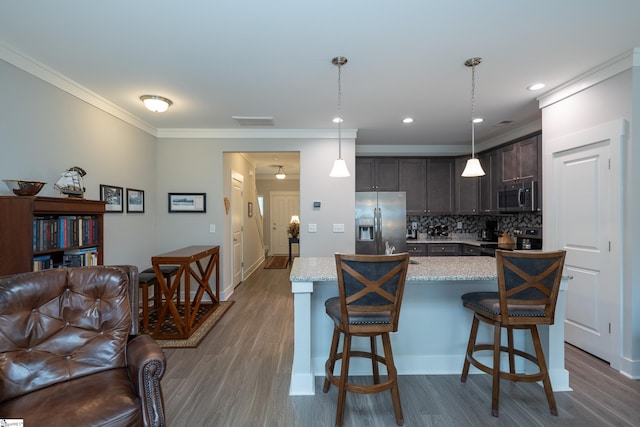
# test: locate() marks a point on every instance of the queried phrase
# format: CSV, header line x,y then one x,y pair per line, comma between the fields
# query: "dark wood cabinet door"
x,y
376,174
466,190
509,163
528,158
440,186
364,174
489,184
413,181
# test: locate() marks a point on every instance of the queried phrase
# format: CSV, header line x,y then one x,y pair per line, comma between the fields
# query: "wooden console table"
x,y
186,259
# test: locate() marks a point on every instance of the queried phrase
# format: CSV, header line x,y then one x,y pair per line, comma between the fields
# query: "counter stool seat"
x,y
168,271
370,294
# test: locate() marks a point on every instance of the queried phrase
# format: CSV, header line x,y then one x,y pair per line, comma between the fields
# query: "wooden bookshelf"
x,y
22,224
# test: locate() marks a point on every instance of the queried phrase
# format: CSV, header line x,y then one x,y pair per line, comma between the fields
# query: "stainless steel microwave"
x,y
518,197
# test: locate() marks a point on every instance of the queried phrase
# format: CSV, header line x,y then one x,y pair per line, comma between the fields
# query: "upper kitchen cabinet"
x,y
440,185
413,181
520,160
376,174
489,184
466,190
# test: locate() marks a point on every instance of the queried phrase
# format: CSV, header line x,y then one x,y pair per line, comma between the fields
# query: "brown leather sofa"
x,y
68,351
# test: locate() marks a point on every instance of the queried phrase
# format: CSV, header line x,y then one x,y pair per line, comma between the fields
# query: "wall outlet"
x,y
459,225
338,228
312,228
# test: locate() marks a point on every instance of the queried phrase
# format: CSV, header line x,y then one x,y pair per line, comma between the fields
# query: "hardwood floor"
x,y
239,376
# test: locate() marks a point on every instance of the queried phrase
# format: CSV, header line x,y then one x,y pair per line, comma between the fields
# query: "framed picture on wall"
x,y
135,201
187,202
113,196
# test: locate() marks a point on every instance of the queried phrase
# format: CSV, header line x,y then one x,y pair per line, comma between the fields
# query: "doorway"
x,y
284,204
237,226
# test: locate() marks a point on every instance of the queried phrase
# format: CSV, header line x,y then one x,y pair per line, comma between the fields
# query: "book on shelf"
x,y
80,257
42,262
50,232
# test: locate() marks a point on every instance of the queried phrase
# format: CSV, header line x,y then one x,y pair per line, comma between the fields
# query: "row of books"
x,y
63,232
72,258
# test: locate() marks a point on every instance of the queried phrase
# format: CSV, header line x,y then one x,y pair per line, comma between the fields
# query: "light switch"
x,y
338,228
212,228
312,228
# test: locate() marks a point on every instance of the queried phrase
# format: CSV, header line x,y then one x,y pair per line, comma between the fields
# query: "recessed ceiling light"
x,y
478,120
407,120
536,86
337,120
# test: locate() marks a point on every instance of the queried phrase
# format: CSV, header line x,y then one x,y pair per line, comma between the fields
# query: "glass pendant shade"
x,y
473,168
339,169
280,174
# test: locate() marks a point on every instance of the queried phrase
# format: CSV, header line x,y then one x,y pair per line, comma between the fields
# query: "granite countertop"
x,y
323,269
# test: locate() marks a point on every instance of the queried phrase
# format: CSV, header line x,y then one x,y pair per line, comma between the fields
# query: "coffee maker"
x,y
489,232
412,232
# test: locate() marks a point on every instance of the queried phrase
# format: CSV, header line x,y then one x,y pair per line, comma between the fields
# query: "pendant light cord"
x,y
473,112
339,111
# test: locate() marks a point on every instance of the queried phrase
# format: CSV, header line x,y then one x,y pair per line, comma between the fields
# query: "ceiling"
x,y
218,59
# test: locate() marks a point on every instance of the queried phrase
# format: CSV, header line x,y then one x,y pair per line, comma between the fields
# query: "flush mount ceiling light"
x,y
473,167
155,103
339,169
280,173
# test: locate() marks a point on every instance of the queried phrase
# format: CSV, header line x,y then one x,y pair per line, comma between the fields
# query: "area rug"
x,y
277,262
198,335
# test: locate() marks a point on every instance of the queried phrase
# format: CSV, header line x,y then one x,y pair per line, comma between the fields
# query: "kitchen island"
x,y
434,327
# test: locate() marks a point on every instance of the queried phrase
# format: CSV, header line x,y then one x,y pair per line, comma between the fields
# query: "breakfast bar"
x,y
434,327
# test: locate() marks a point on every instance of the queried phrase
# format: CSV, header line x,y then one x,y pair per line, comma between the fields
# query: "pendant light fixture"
x,y
339,169
280,173
473,167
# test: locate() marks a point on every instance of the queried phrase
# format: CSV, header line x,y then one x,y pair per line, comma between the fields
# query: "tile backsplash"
x,y
472,224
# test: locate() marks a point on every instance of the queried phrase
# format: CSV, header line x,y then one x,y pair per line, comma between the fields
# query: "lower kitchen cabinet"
x,y
443,249
469,250
417,249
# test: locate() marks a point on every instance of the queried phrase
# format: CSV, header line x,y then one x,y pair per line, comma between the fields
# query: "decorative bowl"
x,y
21,187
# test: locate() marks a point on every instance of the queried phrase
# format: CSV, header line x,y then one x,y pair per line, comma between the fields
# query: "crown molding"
x,y
591,77
256,133
54,78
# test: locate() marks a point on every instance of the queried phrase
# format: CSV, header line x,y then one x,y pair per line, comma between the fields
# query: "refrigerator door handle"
x,y
379,237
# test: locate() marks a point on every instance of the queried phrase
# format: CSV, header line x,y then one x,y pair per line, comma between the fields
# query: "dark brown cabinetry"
x,y
417,249
520,161
466,190
489,184
440,185
443,249
469,250
376,174
35,229
413,181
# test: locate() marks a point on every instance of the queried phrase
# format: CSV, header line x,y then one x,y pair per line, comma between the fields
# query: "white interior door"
x,y
283,204
585,210
237,220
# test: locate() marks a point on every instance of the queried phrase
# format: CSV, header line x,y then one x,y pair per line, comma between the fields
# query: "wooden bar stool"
x,y
528,286
146,279
370,289
168,271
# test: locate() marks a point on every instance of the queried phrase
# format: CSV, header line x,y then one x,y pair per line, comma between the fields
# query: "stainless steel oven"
x,y
518,197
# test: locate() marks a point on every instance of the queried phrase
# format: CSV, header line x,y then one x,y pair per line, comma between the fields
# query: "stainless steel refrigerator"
x,y
381,219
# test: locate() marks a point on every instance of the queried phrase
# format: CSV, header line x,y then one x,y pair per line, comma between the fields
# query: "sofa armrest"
x,y
146,363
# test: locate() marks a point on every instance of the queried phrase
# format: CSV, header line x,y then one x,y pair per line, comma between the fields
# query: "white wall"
x,y
617,97
198,165
44,131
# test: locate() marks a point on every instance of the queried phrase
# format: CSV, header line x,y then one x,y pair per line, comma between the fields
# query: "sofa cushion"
x,y
103,399
60,324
